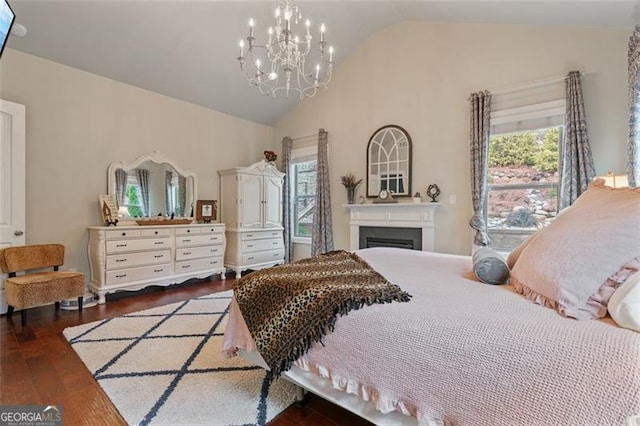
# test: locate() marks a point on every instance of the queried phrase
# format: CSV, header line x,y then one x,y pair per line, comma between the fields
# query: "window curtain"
x,y
182,196
633,151
287,211
168,175
480,124
121,186
143,182
576,160
322,235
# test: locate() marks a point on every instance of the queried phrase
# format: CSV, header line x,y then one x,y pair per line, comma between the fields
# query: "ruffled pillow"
x,y
624,304
569,265
516,252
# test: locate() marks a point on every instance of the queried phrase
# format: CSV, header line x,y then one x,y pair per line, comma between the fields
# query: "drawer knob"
x,y
159,243
158,270
121,276
121,245
276,254
156,232
250,258
186,266
188,230
275,243
121,260
124,234
186,253
159,256
249,245
249,235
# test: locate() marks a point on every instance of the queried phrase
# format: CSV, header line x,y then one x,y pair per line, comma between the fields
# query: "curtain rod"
x,y
304,137
529,86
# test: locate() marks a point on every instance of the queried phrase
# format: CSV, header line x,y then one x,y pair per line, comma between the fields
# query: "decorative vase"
x,y
351,195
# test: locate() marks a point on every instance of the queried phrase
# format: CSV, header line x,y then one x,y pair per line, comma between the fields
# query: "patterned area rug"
x,y
163,366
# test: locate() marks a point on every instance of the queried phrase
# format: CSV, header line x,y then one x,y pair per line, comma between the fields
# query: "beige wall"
x,y
78,123
419,75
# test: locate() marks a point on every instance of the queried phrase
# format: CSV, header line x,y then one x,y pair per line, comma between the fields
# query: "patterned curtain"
x,y
168,175
182,196
322,235
633,151
576,160
480,112
121,186
286,200
143,181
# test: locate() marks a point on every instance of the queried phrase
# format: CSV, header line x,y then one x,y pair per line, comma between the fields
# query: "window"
x,y
303,195
523,173
133,197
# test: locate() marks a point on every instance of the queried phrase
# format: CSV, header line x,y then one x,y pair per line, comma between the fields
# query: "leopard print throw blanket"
x,y
288,307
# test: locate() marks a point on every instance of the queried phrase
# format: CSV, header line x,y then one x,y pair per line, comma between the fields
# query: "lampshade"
x,y
615,181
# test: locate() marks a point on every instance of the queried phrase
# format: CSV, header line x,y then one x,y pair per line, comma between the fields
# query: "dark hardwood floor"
x,y
38,366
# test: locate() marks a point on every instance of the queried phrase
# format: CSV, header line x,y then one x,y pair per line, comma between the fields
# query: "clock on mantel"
x,y
385,196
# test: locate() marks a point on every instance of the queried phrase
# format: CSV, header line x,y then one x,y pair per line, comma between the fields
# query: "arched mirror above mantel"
x,y
389,162
152,184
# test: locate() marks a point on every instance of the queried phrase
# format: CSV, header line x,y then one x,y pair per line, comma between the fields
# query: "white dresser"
x,y
134,257
251,208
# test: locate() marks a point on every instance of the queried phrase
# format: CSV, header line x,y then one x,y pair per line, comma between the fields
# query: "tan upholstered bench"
x,y
38,288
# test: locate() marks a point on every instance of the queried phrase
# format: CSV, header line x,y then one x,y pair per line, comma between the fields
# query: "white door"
x,y
12,181
273,202
251,201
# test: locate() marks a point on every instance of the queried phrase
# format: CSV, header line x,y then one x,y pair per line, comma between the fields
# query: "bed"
x,y
461,352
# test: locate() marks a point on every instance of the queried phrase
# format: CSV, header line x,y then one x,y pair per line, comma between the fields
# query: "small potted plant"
x,y
270,156
350,182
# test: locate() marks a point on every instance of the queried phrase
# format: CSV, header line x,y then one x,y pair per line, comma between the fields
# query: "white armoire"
x,y
251,208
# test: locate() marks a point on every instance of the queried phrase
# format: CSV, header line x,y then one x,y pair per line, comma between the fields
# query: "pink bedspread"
x,y
466,353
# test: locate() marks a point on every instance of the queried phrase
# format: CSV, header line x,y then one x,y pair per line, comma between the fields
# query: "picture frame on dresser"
x,y
206,211
108,209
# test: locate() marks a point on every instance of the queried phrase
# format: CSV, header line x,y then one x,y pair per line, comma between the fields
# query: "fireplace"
x,y
406,225
379,236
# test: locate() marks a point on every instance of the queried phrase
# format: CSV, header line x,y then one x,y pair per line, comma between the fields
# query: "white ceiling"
x,y
187,49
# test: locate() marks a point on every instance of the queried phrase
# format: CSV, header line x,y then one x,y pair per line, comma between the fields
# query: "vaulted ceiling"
x,y
187,49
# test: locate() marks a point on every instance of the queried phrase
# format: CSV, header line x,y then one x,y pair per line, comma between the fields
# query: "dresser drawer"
x,y
198,252
156,232
122,233
136,274
198,265
199,240
246,236
263,256
127,260
188,230
118,246
259,245
212,229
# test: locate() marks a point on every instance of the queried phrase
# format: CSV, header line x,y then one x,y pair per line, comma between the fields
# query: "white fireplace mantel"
x,y
394,215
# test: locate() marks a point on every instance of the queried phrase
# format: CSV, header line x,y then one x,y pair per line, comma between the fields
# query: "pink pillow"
x,y
516,252
574,264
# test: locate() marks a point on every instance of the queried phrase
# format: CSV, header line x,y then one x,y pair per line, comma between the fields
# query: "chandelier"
x,y
288,62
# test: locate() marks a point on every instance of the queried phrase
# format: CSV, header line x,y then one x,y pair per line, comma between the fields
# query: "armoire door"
x,y
251,201
273,202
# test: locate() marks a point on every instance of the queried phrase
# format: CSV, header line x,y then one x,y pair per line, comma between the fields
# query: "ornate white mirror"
x,y
389,162
150,185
